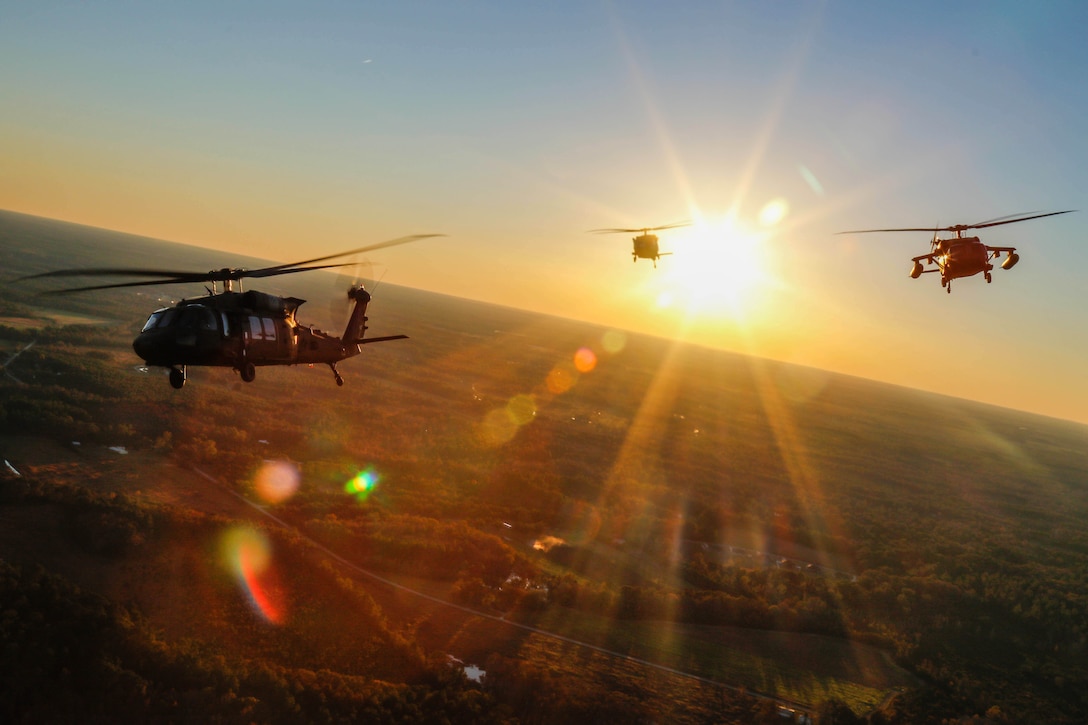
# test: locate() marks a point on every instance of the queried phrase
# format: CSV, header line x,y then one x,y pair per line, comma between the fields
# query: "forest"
x,y
772,540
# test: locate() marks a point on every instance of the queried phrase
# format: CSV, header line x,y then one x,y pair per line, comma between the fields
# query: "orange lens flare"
x,y
561,379
585,360
276,481
247,554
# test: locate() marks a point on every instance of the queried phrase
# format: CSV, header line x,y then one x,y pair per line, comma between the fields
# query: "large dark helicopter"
x,y
962,256
239,329
645,243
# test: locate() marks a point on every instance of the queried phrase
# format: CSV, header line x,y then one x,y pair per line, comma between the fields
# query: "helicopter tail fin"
x,y
356,328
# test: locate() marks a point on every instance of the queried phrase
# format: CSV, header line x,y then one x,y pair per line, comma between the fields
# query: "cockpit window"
x,y
159,318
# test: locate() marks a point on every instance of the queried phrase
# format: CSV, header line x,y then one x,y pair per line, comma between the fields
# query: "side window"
x,y
207,319
226,324
269,328
255,330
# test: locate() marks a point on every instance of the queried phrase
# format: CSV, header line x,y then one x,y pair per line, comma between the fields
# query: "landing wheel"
x,y
336,374
248,372
948,289
339,380
989,278
177,378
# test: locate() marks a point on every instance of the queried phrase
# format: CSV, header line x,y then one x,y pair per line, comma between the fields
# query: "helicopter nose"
x,y
142,346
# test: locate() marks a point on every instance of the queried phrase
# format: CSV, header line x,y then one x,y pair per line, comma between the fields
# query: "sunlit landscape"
x,y
510,517
728,363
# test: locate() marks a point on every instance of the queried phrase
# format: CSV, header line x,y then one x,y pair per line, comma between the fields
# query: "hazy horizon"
x,y
314,311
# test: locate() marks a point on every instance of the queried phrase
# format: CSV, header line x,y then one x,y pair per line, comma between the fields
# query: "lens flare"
x,y
585,360
561,379
497,427
773,212
248,555
811,180
363,484
276,481
613,342
521,409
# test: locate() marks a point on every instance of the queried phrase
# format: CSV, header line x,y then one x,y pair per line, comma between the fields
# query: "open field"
x,y
777,530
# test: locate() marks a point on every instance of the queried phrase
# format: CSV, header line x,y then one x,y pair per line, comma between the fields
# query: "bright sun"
x,y
717,268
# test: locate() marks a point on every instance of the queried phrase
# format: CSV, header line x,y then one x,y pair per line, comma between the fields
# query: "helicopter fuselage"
x,y
245,330
645,247
229,328
962,257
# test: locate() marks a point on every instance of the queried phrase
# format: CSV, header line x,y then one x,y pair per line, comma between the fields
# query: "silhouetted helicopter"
x,y
236,329
962,256
645,243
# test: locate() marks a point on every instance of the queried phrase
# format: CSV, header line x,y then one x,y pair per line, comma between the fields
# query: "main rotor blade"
x,y
1007,216
360,250
963,227
232,274
273,271
907,229
143,283
674,225
997,223
218,275
113,272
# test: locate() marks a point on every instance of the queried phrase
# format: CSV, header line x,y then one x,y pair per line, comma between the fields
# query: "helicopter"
x,y
235,328
961,256
645,243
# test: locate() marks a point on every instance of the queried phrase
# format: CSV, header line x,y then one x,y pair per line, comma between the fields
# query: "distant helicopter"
x,y
645,243
962,256
236,329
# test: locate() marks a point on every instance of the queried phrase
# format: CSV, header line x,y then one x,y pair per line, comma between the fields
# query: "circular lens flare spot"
x,y
497,427
613,342
664,300
276,481
585,360
521,409
363,484
773,212
561,379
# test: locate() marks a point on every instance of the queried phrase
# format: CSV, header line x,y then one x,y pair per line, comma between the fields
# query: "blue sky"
x,y
281,129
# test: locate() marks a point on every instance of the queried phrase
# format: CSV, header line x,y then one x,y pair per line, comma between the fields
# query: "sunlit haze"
x,y
285,131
